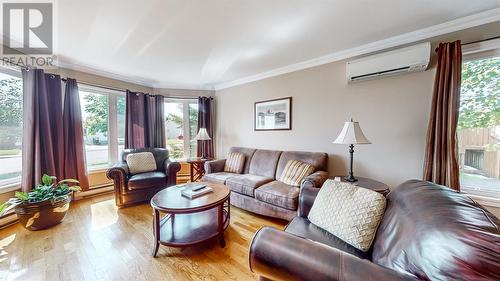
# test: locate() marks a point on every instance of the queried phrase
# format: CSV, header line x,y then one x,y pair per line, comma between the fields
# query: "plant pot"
x,y
44,214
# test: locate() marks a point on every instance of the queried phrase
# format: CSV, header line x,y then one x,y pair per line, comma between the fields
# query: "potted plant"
x,y
45,205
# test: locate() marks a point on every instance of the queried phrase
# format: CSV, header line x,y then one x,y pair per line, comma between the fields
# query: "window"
x,y
11,127
479,127
181,127
103,115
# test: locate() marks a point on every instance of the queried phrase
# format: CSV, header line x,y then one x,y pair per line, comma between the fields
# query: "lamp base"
x,y
350,178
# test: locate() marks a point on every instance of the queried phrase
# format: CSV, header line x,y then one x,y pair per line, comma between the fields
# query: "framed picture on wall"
x,y
273,114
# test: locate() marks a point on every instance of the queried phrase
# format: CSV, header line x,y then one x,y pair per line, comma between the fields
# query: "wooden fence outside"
x,y
480,148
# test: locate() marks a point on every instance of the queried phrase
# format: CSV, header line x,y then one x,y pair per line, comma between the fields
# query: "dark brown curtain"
x,y
144,121
74,147
155,121
441,164
42,127
205,148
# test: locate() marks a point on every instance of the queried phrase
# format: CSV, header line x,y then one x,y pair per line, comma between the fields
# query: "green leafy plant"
x,y
48,189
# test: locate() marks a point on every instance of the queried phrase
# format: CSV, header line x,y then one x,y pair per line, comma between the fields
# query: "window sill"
x,y
10,187
485,201
97,171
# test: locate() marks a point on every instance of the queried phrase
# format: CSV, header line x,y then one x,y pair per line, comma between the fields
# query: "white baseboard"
x,y
92,192
8,220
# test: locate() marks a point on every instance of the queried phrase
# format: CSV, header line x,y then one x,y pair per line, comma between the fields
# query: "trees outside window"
x,y
103,115
181,131
479,127
11,129
95,112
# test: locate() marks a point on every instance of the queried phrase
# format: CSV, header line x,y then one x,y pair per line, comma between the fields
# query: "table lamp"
x,y
202,136
351,134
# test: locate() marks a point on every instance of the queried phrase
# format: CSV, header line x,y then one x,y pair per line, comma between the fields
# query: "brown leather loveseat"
x,y
257,188
131,189
428,232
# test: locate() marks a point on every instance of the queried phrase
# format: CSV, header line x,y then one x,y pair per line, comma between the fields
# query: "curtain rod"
x,y
98,85
185,98
483,40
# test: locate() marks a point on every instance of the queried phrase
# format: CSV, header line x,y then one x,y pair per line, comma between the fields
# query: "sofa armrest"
x,y
171,169
119,174
315,179
215,166
278,255
307,196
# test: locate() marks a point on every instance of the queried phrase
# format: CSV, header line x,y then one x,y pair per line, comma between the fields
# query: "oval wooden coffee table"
x,y
189,221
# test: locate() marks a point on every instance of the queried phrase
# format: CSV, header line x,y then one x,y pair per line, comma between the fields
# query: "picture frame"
x,y
273,115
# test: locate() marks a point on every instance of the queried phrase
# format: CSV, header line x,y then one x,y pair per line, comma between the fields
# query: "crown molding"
x,y
202,87
485,17
74,66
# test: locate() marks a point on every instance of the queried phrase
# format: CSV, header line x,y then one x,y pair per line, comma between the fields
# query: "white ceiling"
x,y
199,44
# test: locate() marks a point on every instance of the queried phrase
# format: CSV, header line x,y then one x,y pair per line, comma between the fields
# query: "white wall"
x,y
393,113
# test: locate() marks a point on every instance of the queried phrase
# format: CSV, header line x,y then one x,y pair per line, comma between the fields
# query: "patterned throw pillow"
x,y
295,171
349,212
234,163
141,162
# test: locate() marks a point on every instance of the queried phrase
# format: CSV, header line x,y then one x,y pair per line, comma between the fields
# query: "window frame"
x,y
112,95
185,123
472,52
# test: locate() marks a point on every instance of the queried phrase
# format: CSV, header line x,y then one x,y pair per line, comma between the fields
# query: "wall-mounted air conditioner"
x,y
409,59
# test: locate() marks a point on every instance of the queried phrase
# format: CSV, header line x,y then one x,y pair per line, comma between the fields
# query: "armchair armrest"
x,y
171,169
315,179
215,166
307,196
119,174
278,255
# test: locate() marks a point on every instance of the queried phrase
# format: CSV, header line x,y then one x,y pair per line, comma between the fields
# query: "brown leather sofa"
x,y
428,232
131,189
257,189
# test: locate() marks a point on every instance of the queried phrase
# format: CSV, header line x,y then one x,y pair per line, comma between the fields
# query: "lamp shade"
x,y
202,135
351,134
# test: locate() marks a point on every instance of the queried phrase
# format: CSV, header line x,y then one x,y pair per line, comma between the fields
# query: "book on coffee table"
x,y
195,191
191,185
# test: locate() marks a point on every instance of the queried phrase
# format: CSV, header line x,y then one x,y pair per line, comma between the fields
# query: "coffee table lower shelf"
x,y
181,230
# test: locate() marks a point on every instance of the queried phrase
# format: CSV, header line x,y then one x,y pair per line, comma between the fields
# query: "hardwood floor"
x,y
96,241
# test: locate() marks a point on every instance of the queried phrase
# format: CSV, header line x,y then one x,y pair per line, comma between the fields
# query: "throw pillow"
x,y
351,213
295,171
234,163
141,162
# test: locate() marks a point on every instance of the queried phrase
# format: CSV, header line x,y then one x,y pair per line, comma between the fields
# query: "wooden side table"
x,y
372,184
197,168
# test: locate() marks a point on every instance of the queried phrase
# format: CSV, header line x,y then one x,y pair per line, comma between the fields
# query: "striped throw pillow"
x,y
234,163
295,171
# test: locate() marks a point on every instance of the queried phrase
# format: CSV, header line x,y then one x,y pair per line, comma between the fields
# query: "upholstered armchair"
x,y
131,189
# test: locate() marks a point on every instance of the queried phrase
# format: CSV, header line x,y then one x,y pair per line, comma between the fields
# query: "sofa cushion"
x,y
317,159
264,163
220,177
302,227
351,213
279,194
295,171
246,183
141,162
235,163
248,152
146,180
